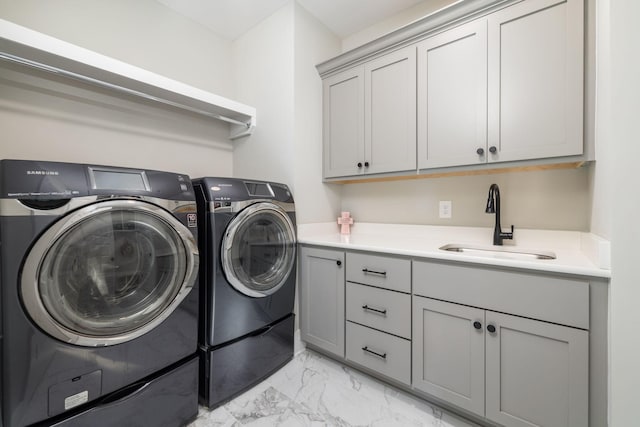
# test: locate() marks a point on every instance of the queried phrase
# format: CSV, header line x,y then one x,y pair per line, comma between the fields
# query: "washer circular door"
x,y
259,249
108,272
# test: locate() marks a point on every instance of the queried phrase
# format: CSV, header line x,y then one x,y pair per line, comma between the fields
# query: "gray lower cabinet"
x,y
448,352
517,348
512,370
378,308
384,353
322,296
380,271
537,373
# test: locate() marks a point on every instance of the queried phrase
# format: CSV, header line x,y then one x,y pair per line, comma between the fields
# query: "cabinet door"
x,y
448,352
537,373
390,112
535,75
322,299
452,97
343,123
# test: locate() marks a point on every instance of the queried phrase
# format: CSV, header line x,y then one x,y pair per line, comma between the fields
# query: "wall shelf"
x,y
33,49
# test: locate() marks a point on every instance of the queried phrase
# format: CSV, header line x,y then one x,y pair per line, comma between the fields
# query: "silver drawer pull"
x,y
383,312
382,356
381,273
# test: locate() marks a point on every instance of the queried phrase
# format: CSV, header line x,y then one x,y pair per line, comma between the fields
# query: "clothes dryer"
x,y
98,267
247,283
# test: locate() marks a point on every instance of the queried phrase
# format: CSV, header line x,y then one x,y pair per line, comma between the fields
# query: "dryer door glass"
x,y
259,249
109,275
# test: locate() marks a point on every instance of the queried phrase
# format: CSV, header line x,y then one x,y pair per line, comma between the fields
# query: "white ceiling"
x,y
232,18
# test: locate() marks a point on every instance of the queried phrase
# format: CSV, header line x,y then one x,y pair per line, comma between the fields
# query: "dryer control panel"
x,y
227,190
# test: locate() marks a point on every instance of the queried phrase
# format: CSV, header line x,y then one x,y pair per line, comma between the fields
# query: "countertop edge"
x,y
578,263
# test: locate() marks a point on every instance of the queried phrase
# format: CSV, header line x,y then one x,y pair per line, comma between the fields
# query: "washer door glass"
x,y
110,273
259,249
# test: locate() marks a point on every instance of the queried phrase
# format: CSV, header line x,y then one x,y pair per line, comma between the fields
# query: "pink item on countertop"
x,y
345,222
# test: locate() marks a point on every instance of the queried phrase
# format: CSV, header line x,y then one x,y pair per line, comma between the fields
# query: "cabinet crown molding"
x,y
454,14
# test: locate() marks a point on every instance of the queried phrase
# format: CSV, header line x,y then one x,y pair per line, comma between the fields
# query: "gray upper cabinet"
x,y
452,97
390,112
322,294
500,86
507,87
370,117
535,80
343,123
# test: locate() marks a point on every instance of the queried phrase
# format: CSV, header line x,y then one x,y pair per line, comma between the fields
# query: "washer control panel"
x,y
43,180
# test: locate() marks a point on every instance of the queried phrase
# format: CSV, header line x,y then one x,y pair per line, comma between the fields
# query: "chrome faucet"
x,y
493,206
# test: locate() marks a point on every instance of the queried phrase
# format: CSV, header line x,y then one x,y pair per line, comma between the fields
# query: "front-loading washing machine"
x,y
99,299
247,283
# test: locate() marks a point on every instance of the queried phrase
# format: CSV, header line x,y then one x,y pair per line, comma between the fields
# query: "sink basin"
x,y
499,252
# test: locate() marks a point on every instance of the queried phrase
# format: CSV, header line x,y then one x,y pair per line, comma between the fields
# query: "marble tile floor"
x,y
313,390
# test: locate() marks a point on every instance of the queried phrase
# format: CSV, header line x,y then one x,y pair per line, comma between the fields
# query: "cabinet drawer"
x,y
380,309
383,353
382,271
553,299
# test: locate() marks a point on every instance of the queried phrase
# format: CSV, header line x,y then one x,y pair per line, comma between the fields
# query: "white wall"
x,y
264,72
274,65
602,172
623,136
47,118
314,43
538,200
142,32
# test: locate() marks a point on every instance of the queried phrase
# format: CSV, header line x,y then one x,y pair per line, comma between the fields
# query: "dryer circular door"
x,y
259,249
108,272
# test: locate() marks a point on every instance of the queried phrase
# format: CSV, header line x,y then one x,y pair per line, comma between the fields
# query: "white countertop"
x,y
576,252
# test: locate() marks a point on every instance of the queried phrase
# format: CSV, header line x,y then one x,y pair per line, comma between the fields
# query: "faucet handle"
x,y
508,236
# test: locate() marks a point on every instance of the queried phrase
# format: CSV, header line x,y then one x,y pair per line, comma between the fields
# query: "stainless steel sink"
x,y
499,252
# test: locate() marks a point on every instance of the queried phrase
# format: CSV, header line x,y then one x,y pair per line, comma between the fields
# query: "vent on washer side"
x,y
44,204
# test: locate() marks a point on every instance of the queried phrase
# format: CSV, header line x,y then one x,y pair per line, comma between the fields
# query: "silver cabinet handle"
x,y
381,273
375,353
375,310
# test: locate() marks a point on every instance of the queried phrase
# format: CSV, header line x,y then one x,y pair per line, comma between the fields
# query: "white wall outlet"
x,y
445,208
